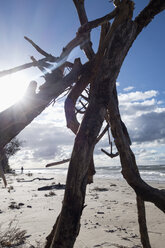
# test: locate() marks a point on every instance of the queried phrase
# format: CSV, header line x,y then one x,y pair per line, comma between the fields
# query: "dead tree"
x,y
98,103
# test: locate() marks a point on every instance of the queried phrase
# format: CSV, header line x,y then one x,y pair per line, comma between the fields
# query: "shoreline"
x,y
106,172
108,220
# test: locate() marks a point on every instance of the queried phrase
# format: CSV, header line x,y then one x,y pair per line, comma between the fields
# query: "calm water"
x,y
148,172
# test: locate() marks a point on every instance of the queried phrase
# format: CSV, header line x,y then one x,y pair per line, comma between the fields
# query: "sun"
x,y
12,88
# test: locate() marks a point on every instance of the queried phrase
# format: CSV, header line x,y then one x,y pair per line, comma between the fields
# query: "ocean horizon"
x,y
154,173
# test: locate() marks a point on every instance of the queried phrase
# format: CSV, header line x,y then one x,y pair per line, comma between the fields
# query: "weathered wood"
x,y
17,117
77,177
148,13
40,50
36,178
57,163
87,44
142,223
82,154
103,97
56,186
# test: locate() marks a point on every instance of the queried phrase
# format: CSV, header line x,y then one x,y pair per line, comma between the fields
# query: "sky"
x,y
141,83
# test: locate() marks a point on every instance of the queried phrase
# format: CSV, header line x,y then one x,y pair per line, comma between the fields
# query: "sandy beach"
x,y
109,218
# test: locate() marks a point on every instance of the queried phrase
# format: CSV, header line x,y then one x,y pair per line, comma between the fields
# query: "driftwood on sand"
x,y
37,178
55,186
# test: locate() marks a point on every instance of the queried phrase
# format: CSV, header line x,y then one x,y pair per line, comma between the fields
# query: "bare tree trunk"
x,y
17,117
142,223
67,225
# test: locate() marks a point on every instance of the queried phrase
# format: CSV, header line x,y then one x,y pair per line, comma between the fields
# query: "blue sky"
x,y
52,24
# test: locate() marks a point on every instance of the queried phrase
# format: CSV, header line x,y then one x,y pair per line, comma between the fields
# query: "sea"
x,y
155,173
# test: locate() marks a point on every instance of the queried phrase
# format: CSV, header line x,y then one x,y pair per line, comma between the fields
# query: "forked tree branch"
x,y
17,117
72,97
22,67
148,13
41,68
41,51
87,45
78,40
97,22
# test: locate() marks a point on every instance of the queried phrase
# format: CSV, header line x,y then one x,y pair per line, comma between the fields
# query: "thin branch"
x,y
111,155
102,133
84,97
41,51
71,100
17,68
41,68
98,22
148,13
41,62
67,160
84,105
36,178
87,45
79,111
142,222
57,163
79,39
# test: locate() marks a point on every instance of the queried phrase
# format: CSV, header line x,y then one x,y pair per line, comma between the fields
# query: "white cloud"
x,y
128,88
48,139
137,96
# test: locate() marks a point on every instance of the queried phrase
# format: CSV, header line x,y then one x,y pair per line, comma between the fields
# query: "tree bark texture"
x,y
142,223
17,117
67,225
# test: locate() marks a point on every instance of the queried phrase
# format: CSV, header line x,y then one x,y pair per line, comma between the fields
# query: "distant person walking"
x,y
22,170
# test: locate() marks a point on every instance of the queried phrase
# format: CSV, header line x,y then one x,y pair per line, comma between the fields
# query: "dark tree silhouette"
x,y
9,150
93,85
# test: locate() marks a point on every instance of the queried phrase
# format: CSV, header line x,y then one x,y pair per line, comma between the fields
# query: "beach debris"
x,y
56,186
34,195
51,193
14,205
100,189
100,212
1,211
21,204
104,244
29,174
113,185
110,231
29,206
36,178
